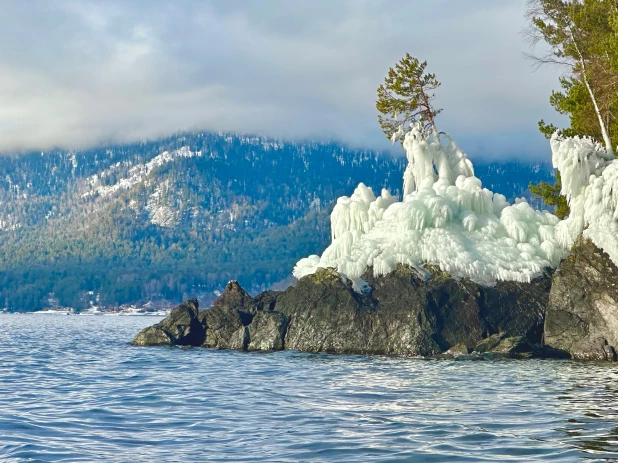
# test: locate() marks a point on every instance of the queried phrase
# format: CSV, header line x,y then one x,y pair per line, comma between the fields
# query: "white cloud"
x,y
75,73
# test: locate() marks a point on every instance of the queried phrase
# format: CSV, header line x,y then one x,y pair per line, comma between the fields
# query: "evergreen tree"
x,y
583,38
551,195
406,96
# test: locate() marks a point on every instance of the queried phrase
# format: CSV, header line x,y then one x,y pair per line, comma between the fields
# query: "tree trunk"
x,y
606,139
434,129
597,110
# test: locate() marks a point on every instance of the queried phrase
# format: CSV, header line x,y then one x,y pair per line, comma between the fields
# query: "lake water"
x,y
72,389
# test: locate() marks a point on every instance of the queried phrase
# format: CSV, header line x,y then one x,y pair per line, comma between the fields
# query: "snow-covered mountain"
x,y
180,216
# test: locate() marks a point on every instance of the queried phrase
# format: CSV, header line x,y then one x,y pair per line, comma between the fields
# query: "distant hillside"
x,y
179,217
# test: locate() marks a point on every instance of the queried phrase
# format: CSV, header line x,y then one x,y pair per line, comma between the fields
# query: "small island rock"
x,y
402,313
181,328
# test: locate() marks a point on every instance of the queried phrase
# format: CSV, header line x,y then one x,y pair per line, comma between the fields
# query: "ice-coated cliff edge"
x,y
446,218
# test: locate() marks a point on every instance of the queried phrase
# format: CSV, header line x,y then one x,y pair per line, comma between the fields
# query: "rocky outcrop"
x,y
238,321
573,313
404,313
182,328
226,322
582,316
407,314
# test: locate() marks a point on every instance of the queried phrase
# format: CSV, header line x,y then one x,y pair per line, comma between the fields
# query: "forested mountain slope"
x,y
179,217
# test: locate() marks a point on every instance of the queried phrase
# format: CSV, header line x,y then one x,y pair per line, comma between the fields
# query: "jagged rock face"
x,y
582,317
516,308
221,325
403,314
226,321
181,328
238,321
326,315
234,297
267,331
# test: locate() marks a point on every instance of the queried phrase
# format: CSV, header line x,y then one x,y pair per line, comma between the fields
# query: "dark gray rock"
x,y
264,301
489,344
236,299
517,308
404,313
239,340
326,315
513,347
220,324
225,321
500,345
582,316
182,328
152,336
459,349
267,331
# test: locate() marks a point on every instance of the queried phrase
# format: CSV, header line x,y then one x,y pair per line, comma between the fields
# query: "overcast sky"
x,y
78,72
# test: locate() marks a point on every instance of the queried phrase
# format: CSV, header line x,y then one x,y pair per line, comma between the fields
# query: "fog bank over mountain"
x,y
75,74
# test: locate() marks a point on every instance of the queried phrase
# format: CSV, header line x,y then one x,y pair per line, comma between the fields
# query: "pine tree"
x,y
577,33
551,195
406,96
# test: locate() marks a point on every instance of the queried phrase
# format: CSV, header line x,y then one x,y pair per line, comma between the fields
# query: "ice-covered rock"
x,y
446,218
590,183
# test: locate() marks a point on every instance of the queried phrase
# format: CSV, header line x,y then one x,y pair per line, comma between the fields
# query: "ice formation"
x,y
590,183
446,218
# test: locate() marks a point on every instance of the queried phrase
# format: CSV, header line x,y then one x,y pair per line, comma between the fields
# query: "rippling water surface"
x,y
73,389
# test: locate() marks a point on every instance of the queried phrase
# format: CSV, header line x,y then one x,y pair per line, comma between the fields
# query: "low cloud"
x,y
77,73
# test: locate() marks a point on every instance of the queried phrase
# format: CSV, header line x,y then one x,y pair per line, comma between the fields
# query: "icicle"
x,y
590,182
447,218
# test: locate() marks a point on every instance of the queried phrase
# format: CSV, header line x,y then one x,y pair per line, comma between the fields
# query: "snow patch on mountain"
x,y
138,173
159,212
8,223
164,216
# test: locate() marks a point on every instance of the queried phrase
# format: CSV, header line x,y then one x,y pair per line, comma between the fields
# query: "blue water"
x,y
72,389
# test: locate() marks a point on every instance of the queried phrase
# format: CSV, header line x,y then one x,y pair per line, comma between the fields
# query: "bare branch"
x,y
539,61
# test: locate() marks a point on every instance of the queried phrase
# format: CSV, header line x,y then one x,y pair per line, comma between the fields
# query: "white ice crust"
x,y
446,218
590,183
